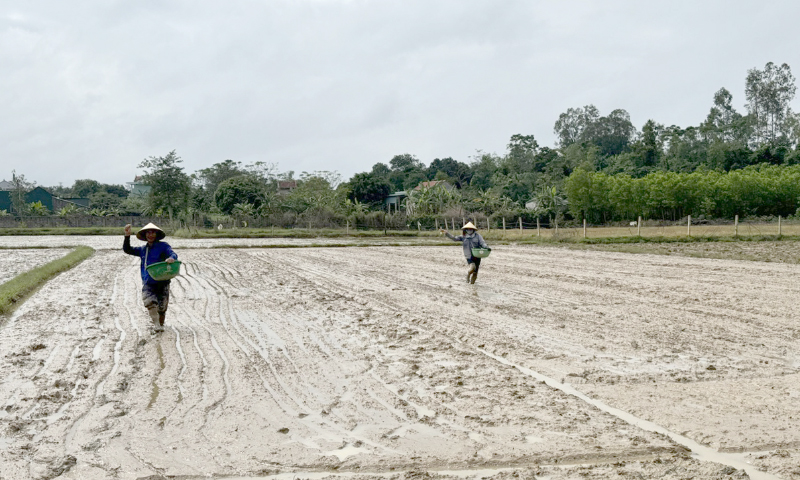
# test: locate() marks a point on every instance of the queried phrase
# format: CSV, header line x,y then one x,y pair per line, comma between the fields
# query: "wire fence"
x,y
511,226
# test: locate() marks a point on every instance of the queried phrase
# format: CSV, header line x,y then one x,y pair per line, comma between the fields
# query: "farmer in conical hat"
x,y
155,294
469,238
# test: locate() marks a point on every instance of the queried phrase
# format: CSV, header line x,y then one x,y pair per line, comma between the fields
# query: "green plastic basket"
x,y
164,271
481,252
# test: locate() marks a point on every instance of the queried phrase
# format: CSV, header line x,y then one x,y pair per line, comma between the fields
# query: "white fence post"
x,y
736,226
689,226
639,227
780,231
584,228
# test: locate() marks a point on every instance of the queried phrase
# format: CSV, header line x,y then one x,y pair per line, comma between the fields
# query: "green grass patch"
x,y
16,290
62,231
343,245
658,239
294,233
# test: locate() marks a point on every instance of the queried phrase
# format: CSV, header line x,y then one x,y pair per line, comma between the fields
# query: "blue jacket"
x,y
469,242
159,252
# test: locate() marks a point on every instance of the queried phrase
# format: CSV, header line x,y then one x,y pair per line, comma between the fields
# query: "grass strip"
x,y
661,239
27,231
16,290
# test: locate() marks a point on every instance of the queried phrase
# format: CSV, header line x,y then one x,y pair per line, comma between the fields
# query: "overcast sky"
x,y
90,88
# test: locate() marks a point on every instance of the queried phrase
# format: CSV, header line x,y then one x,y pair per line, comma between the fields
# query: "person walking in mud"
x,y
155,294
469,238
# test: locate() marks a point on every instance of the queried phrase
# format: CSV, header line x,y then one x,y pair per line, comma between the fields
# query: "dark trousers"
x,y
476,261
156,301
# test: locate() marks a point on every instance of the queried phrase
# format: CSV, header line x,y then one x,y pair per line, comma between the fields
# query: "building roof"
x,y
6,185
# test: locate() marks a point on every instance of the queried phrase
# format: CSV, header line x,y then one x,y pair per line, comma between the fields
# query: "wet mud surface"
x,y
382,362
14,262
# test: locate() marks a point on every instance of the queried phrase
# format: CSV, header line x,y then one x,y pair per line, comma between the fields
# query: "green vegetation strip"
x,y
61,231
660,239
14,291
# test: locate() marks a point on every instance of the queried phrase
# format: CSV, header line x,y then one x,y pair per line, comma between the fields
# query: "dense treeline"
x,y
761,190
602,168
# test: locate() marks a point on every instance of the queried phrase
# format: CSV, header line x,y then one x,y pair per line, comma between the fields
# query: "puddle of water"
x,y
700,452
97,348
343,453
155,391
487,472
153,396
446,363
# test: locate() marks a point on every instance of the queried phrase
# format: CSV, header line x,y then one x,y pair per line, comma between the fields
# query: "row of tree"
x,y
761,190
603,167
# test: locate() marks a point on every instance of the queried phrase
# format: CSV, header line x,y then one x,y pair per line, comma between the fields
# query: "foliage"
x,y
768,93
431,200
86,188
68,211
170,186
105,200
369,189
36,209
242,189
757,190
20,186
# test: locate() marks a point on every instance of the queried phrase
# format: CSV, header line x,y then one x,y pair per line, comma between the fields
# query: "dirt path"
x,y
381,359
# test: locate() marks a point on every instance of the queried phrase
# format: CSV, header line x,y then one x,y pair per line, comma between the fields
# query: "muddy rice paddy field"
x,y
381,362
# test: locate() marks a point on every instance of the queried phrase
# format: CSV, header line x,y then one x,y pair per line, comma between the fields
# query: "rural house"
x,y
39,194
394,201
137,188
285,187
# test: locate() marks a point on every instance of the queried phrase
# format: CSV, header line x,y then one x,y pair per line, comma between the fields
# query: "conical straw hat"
x,y
469,225
150,226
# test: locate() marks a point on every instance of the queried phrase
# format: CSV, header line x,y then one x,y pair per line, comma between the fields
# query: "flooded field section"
x,y
382,362
14,262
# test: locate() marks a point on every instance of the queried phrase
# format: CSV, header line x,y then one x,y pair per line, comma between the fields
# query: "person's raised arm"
x,y
126,244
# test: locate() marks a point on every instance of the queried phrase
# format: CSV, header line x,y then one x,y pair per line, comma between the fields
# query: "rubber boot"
x,y
154,316
474,277
470,271
161,317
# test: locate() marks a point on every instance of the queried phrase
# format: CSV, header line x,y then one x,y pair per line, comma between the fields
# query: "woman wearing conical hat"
x,y
155,294
469,238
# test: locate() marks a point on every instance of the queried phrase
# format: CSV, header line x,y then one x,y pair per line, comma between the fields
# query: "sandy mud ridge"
x,y
381,359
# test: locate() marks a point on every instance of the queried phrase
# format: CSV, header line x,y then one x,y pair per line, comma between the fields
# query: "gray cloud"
x,y
89,89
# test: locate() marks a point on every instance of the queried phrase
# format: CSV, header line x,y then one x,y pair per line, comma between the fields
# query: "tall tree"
x,y
20,187
522,150
170,186
369,189
239,190
458,172
769,93
571,125
85,188
210,178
